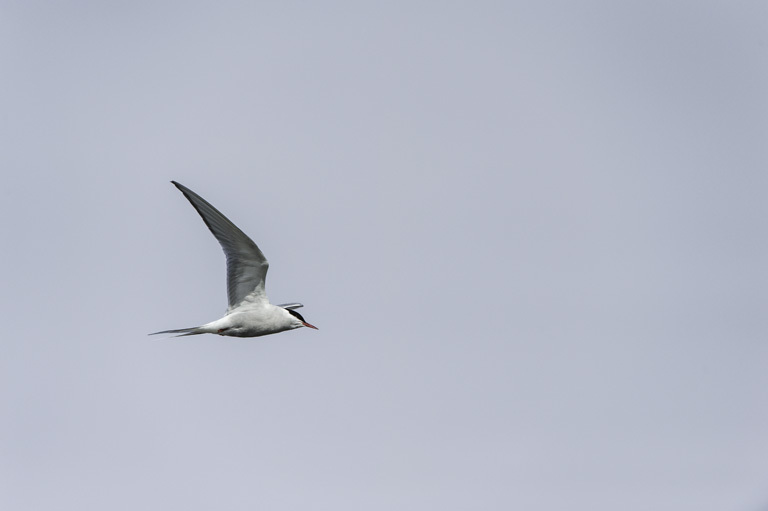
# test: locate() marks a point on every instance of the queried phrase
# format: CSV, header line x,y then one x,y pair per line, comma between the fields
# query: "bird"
x,y
249,314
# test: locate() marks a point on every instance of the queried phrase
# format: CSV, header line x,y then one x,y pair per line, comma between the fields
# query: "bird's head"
x,y
298,320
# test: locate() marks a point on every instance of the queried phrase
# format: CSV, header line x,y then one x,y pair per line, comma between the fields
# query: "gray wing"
x,y
291,306
246,265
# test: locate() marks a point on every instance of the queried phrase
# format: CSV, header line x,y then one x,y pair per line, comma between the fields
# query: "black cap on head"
x,y
295,315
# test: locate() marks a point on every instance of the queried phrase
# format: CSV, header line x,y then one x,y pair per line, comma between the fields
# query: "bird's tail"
x,y
183,332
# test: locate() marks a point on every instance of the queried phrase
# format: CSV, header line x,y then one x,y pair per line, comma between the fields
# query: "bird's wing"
x,y
246,265
291,306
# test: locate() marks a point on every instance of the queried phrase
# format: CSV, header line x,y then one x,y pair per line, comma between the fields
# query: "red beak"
x,y
309,326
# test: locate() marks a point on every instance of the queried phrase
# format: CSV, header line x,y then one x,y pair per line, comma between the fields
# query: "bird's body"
x,y
249,313
264,320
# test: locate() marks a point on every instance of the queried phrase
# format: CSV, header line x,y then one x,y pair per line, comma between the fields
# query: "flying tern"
x,y
249,313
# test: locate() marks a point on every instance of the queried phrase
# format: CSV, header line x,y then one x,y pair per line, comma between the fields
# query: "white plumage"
x,y
249,313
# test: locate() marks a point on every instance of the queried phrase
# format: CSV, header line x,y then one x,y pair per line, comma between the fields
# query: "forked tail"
x,y
183,332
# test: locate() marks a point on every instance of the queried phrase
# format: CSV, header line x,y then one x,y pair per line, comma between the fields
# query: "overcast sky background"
x,y
532,234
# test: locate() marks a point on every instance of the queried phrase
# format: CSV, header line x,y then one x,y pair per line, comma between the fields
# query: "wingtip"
x,y
183,189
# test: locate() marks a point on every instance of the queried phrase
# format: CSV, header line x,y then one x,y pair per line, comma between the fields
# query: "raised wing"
x,y
246,265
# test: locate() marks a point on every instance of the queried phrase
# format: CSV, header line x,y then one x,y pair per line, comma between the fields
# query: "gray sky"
x,y
532,236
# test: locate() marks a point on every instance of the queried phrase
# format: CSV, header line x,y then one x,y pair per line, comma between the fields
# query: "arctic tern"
x,y
249,313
